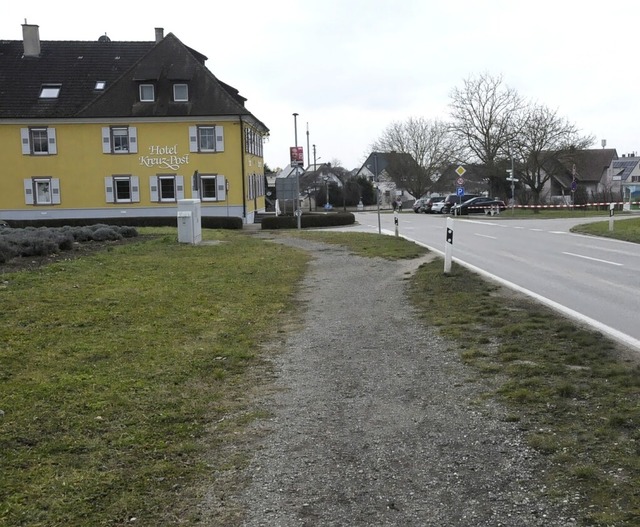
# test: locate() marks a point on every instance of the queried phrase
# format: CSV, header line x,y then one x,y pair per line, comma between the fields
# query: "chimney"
x,y
159,34
31,40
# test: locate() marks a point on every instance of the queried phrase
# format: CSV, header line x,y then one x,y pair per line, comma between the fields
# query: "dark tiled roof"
x,y
77,65
590,165
381,161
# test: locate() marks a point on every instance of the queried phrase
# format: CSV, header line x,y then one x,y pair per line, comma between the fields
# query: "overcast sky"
x,y
349,68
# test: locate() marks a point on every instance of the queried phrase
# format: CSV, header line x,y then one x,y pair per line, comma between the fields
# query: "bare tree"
x,y
423,146
543,141
482,112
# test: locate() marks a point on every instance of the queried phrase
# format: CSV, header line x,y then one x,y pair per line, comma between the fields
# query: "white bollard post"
x,y
611,207
395,221
448,246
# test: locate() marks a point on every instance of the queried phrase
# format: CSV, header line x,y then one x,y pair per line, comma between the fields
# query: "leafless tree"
x,y
430,145
543,141
482,113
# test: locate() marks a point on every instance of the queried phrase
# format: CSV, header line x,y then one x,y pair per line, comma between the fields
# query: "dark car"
x,y
479,205
454,199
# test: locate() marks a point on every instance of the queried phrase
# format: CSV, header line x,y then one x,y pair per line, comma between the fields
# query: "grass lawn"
x,y
115,366
572,391
627,229
127,378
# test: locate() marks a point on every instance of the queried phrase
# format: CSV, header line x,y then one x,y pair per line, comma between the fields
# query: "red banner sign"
x,y
297,156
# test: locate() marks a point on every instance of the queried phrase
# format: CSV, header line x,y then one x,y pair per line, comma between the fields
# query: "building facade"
x,y
110,129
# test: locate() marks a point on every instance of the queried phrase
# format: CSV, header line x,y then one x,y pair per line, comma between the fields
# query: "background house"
x,y
475,180
376,169
584,173
624,178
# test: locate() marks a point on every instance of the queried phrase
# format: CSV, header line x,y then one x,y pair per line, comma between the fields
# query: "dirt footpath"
x,y
378,423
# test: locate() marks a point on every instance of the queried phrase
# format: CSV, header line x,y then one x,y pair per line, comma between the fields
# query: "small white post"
x,y
611,207
395,221
448,246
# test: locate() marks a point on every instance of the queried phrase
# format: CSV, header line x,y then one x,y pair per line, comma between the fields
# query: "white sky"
x,y
351,67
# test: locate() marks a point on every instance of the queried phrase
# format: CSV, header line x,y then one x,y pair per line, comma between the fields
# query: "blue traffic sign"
x,y
460,191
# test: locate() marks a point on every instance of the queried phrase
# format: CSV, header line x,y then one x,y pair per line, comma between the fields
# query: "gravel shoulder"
x,y
376,421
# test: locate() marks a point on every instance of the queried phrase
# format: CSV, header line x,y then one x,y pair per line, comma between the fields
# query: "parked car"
x,y
425,203
479,205
453,199
431,202
436,208
418,205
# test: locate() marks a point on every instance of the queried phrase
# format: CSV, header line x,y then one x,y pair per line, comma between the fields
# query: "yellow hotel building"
x,y
102,129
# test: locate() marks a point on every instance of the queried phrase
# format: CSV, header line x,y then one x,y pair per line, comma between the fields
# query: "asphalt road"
x,y
594,280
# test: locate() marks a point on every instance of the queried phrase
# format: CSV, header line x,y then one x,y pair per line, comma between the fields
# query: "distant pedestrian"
x,y
394,205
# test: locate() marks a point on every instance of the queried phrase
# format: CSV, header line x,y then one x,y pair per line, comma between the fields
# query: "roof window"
x,y
50,91
100,85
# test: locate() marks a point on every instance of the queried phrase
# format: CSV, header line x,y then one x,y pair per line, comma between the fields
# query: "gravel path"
x,y
377,422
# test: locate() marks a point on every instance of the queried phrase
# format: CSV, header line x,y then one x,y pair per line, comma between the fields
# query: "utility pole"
x,y
308,152
297,211
375,164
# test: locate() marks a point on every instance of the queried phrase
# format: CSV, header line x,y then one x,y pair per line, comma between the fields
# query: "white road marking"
x,y
486,236
594,259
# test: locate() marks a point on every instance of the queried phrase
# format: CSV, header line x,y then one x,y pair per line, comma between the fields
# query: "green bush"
x,y
43,241
7,252
208,222
329,219
104,234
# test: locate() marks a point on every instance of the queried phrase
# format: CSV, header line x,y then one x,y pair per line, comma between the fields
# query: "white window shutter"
x,y
219,131
51,139
28,191
221,187
195,186
135,190
179,187
153,186
133,140
106,140
108,188
55,191
26,145
193,139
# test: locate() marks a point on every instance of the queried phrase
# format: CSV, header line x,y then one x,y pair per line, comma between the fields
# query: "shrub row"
x,y
208,222
329,219
43,241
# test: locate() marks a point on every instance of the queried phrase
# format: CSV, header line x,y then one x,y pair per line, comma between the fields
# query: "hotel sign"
x,y
164,157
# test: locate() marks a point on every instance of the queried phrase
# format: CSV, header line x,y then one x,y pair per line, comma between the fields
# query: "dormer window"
x,y
50,91
100,85
180,92
147,93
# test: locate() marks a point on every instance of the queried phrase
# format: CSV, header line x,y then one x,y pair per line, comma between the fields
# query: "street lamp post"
x,y
297,211
375,168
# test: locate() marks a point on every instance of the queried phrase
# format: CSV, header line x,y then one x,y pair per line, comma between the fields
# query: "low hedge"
x,y
43,241
328,219
208,222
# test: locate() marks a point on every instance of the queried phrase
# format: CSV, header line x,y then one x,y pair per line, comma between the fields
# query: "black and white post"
x,y
448,246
